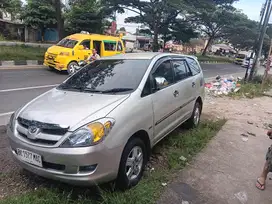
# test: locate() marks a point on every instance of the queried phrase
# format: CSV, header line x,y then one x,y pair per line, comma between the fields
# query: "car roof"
x,y
80,36
146,55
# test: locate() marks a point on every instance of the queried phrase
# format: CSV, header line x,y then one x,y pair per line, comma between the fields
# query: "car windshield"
x,y
108,76
241,56
69,43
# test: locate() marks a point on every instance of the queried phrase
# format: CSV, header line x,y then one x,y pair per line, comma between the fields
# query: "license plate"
x,y
29,157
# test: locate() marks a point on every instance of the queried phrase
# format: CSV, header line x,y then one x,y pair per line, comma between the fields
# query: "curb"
x,y
214,62
20,63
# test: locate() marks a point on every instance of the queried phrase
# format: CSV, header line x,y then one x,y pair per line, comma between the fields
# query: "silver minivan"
x,y
102,122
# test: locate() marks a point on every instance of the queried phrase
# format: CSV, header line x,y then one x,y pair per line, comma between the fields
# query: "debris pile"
x,y
223,86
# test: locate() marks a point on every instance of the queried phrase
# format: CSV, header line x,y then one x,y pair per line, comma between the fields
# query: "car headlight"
x,y
11,122
90,134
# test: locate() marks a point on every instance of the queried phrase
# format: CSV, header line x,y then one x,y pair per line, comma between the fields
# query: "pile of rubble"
x,y
223,86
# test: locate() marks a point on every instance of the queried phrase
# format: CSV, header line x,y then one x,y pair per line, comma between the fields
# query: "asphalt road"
x,y
17,87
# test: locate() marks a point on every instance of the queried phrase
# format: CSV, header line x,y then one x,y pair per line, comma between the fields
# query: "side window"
x,y
86,44
119,46
180,70
194,67
163,74
147,88
110,45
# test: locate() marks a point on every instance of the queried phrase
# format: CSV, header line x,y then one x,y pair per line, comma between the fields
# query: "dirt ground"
x,y
254,114
226,170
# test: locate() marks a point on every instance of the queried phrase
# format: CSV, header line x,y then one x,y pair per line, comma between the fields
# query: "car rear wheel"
x,y
132,164
194,120
71,68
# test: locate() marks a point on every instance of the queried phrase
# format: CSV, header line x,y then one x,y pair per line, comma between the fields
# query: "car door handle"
x,y
193,84
176,93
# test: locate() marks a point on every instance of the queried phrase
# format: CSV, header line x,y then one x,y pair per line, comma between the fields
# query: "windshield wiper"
x,y
90,90
116,90
70,88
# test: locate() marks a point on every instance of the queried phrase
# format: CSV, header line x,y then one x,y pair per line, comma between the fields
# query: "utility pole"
x,y
262,13
261,39
267,68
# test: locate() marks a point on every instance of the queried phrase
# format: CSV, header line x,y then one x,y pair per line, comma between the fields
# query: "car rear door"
x,y
185,88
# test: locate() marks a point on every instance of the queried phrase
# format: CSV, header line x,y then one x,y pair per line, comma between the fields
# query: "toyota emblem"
x,y
32,132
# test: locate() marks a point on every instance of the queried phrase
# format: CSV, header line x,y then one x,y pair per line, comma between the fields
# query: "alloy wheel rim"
x,y
71,69
196,116
134,163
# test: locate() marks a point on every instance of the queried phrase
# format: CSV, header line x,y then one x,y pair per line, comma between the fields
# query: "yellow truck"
x,y
74,48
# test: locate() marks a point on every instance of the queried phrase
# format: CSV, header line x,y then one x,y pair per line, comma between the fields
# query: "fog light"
x,y
87,169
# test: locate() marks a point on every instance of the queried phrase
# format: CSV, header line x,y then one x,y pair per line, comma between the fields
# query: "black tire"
x,y
192,123
122,181
50,68
69,67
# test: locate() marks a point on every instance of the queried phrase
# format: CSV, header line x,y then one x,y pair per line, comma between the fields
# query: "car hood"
x,y
70,108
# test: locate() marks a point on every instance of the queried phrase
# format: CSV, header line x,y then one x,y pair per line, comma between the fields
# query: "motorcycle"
x,y
76,68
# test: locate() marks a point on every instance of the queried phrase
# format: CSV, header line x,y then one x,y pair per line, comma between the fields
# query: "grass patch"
x,y
21,53
2,38
214,59
180,143
253,89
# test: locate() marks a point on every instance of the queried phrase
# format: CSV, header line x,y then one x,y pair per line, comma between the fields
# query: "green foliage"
x,y
11,6
21,53
39,14
88,15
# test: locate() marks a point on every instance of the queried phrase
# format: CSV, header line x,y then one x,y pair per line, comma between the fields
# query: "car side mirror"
x,y
160,83
81,47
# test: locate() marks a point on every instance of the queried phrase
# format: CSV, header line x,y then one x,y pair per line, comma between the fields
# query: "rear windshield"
x,y
66,42
108,76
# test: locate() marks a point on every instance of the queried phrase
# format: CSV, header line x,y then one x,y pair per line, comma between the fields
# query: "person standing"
x,y
260,184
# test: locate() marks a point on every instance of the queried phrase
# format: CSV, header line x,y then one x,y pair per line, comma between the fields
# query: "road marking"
x,y
5,114
28,88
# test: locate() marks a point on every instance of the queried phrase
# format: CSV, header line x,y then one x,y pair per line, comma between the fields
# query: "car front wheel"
x,y
132,164
71,68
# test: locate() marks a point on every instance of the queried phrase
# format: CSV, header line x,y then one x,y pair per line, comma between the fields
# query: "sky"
x,y
251,8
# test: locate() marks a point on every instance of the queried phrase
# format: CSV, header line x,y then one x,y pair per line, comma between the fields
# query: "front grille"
x,y
38,141
47,135
53,166
47,128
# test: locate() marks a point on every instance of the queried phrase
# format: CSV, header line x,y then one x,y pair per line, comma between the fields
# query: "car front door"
x,y
86,51
163,98
185,87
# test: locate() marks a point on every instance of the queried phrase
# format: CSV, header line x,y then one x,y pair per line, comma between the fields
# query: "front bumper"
x,y
56,65
106,162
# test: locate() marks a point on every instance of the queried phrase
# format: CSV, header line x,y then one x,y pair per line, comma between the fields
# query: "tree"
x,y
91,17
60,21
157,15
39,14
179,31
12,7
242,34
213,22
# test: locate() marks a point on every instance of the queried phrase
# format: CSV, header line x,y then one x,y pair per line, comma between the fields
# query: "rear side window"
x,y
109,45
181,70
195,69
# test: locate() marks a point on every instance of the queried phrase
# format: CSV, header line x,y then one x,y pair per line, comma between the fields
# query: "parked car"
x,y
246,62
100,124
